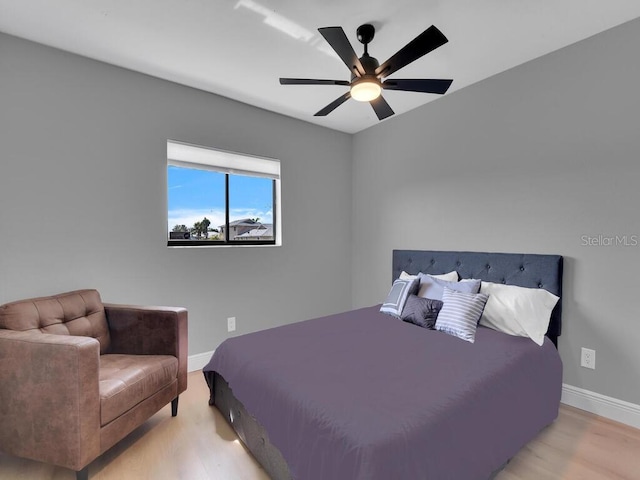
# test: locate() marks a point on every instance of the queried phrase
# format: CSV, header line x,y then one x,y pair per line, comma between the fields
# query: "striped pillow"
x,y
460,313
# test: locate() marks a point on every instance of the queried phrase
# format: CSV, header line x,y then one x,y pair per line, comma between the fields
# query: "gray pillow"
x,y
434,287
398,295
421,311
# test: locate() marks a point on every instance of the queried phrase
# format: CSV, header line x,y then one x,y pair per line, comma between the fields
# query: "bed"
x,y
361,395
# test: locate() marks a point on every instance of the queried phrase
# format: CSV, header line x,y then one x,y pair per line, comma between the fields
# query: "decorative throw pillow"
x,y
398,295
520,311
460,313
431,287
421,311
449,277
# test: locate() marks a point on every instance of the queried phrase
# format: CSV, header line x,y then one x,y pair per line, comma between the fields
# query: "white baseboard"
x,y
198,361
609,407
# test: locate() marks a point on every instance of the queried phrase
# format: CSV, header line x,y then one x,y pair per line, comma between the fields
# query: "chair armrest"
x,y
49,397
141,330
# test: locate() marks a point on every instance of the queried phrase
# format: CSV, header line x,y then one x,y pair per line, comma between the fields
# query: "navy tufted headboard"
x,y
524,270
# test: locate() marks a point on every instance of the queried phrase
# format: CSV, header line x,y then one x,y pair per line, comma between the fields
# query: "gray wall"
x,y
83,196
529,160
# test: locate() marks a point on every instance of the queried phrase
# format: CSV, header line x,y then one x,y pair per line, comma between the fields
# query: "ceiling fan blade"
x,y
424,43
418,85
340,43
381,107
311,81
333,105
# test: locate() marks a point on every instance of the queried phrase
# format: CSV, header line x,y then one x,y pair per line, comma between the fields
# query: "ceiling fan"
x,y
367,74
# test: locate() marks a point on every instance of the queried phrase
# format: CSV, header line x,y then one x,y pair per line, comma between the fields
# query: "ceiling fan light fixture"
x,y
366,89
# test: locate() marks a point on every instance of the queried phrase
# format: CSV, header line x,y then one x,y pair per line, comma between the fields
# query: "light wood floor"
x,y
199,445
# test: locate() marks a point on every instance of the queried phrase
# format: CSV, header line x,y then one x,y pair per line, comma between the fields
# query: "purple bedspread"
x,y
364,396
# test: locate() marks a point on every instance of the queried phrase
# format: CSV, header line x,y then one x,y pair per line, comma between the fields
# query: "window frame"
x,y
200,160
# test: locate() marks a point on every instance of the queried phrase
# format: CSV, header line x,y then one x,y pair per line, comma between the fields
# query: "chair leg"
x,y
174,407
83,474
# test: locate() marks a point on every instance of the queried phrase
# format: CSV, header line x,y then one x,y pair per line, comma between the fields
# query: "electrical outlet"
x,y
231,324
588,358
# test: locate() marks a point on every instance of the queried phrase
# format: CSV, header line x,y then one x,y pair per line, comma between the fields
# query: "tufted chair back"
x,y
74,313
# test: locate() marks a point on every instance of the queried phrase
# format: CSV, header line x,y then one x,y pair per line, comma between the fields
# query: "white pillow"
x,y
449,277
520,311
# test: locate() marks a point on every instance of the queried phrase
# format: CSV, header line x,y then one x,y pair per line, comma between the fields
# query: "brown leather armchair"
x,y
77,375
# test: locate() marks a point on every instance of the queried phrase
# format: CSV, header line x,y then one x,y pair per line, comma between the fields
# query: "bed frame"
x,y
525,270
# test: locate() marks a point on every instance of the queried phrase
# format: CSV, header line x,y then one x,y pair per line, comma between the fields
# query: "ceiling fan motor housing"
x,y
369,64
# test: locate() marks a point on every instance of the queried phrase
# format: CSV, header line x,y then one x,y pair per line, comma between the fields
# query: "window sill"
x,y
227,245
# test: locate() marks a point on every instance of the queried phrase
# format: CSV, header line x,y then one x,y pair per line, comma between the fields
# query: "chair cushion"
x,y
74,313
126,380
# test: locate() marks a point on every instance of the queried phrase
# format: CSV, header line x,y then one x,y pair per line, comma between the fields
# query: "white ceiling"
x,y
239,48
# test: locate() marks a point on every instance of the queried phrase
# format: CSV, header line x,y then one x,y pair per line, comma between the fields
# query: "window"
x,y
221,198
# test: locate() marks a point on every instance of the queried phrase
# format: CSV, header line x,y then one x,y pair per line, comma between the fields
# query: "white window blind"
x,y
191,156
